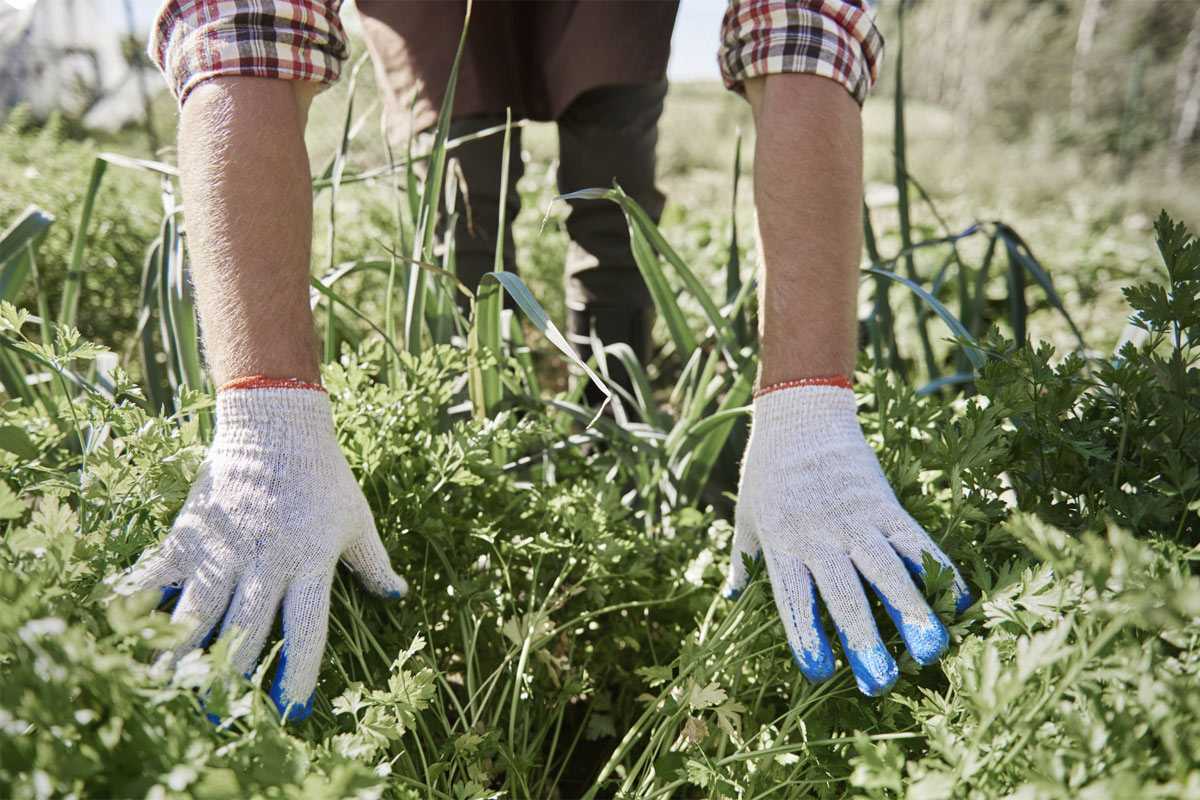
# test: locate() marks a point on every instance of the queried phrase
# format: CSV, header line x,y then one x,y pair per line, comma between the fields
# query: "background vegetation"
x,y
565,637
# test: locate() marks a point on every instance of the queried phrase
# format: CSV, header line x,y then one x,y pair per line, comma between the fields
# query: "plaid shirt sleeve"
x,y
833,38
194,40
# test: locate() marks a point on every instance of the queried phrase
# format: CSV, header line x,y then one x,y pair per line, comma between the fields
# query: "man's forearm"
x,y
248,210
807,190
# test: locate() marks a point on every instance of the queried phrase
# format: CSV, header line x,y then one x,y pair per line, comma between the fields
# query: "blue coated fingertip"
x,y
874,669
731,593
926,642
818,664
290,709
815,666
395,594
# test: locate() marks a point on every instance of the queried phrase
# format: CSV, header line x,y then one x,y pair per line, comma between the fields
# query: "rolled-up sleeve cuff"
x,y
836,39
195,40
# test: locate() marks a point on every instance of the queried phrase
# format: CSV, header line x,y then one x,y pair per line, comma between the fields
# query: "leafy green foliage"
x,y
44,167
1113,439
557,645
564,636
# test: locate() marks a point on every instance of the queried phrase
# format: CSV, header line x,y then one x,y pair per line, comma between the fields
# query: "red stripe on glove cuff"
x,y
263,382
840,381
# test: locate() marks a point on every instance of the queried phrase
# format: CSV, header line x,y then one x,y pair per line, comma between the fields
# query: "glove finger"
x,y
923,633
911,542
250,617
745,545
159,569
305,626
369,560
199,610
796,601
874,668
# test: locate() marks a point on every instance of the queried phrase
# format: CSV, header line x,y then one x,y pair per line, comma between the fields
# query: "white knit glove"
x,y
814,500
273,508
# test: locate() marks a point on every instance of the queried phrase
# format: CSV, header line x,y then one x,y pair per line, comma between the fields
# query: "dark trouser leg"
x,y
478,206
608,134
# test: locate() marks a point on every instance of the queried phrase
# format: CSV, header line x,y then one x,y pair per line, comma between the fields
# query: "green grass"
x,y
565,636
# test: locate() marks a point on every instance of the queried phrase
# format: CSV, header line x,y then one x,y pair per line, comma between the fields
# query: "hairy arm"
x,y
246,185
807,190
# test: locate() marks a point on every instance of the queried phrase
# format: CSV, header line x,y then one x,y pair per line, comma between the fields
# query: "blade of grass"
x,y
13,378
962,273
683,383
641,384
165,326
73,284
433,269
979,300
141,164
901,174
884,327
647,244
179,310
17,244
412,189
391,368
439,303
733,264
701,391
660,292
524,355
43,304
957,379
1018,309
533,310
659,243
414,311
155,380
333,297
966,341
486,331
1020,251
712,422
334,172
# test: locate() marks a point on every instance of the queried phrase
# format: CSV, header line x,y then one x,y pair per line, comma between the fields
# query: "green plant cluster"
x,y
557,646
565,637
46,166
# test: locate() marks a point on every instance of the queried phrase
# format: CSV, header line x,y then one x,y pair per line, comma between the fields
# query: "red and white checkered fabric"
x,y
833,38
194,40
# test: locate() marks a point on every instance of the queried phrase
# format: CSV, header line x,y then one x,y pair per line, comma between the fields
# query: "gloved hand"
x,y
274,507
814,500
